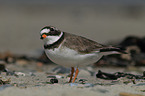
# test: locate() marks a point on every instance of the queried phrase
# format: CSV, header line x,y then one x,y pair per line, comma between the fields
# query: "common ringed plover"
x,y
70,50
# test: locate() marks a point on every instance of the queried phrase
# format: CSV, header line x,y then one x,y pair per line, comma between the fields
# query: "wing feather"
x,y
80,44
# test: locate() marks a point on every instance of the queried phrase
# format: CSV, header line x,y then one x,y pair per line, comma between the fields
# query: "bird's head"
x,y
50,34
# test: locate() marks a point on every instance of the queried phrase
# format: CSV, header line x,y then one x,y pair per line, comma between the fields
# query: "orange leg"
x,y
76,74
72,72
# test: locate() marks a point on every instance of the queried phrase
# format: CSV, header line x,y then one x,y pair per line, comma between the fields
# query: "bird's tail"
x,y
113,50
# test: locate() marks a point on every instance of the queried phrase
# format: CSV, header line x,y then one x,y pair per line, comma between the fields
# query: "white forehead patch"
x,y
45,31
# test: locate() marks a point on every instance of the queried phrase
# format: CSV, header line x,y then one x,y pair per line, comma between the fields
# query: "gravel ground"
x,y
34,80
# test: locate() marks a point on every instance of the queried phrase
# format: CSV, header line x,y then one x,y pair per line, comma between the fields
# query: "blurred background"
x,y
99,20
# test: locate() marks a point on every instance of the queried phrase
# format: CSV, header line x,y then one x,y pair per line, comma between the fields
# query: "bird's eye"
x,y
51,29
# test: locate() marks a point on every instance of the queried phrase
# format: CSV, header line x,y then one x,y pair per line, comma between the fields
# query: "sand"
x,y
34,81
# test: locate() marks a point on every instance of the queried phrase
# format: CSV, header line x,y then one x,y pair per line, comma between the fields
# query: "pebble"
x,y
32,74
144,74
82,81
19,74
54,80
2,66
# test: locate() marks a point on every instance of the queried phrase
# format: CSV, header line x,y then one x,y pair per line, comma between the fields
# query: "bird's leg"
x,y
76,74
72,72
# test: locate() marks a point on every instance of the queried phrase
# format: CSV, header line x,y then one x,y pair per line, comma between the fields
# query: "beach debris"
x,y
115,76
54,80
129,94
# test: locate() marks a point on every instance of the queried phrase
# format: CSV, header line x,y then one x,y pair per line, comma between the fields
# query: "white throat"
x,y
52,39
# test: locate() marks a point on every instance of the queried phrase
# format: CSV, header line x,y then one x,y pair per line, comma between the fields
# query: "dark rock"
x,y
106,76
2,67
130,41
54,80
115,76
144,74
82,81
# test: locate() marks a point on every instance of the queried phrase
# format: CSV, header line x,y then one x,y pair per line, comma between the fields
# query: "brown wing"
x,y
80,44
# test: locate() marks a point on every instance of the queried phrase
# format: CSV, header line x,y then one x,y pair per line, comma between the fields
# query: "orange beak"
x,y
44,36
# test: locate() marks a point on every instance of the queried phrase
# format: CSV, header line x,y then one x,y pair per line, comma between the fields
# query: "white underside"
x,y
70,58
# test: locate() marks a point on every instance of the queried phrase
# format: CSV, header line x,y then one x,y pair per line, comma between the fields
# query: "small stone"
x,y
32,74
19,74
10,73
2,66
82,81
54,80
144,74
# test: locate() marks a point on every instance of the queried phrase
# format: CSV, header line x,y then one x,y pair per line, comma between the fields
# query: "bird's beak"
x,y
43,36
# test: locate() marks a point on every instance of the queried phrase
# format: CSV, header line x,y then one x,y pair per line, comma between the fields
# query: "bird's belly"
x,y
70,58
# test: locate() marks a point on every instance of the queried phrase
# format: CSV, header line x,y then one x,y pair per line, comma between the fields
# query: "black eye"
x,y
51,29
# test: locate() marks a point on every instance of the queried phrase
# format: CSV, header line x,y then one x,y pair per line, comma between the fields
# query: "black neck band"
x,y
55,44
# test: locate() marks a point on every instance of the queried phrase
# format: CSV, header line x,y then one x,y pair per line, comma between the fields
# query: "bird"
x,y
70,50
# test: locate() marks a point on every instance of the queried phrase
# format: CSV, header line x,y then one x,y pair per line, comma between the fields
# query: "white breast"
x,y
71,58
